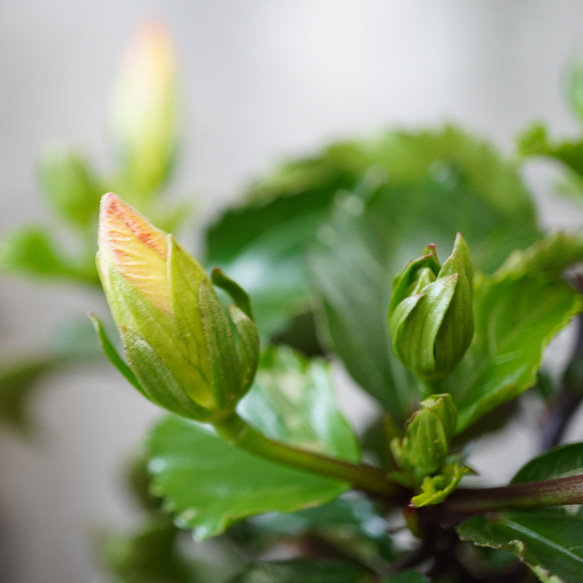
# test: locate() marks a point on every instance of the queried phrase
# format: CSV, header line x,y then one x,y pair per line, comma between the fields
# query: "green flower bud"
x,y
430,315
187,353
426,443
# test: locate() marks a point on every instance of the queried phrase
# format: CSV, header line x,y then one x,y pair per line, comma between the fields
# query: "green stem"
x,y
238,432
555,492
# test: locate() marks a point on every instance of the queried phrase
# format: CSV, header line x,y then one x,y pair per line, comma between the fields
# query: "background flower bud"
x,y
144,110
188,354
430,314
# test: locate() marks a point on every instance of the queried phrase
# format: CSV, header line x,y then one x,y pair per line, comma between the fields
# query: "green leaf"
x,y
515,319
71,186
547,539
304,571
406,577
18,382
291,400
350,523
148,555
262,243
32,251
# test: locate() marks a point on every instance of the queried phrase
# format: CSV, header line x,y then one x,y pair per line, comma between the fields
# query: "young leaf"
x,y
304,571
547,539
291,400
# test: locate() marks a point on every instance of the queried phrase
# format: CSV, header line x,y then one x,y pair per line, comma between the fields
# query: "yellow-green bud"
x,y
188,354
145,111
430,315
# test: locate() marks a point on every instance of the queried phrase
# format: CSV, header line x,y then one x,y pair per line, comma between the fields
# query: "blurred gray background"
x,y
261,80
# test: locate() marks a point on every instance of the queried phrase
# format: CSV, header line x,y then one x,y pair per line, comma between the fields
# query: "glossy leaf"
x,y
211,484
304,571
515,317
547,539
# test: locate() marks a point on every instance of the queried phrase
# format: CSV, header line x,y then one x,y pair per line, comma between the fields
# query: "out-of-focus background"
x,y
260,80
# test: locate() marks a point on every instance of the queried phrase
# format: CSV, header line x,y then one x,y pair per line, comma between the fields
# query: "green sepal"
x,y
435,489
224,364
406,280
415,335
235,291
246,345
159,382
113,356
179,348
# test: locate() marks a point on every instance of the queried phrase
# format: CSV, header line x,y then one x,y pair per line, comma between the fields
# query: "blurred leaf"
x,y
291,400
262,243
517,312
149,555
71,186
304,571
31,251
406,577
547,539
352,525
18,382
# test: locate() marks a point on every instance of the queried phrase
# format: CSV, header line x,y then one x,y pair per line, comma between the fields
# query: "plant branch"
x,y
555,492
239,433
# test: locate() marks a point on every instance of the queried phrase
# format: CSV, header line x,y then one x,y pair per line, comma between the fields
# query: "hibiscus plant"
x,y
410,267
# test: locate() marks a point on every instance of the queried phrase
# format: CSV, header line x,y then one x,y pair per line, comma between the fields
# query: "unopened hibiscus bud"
x,y
430,315
426,443
187,352
144,110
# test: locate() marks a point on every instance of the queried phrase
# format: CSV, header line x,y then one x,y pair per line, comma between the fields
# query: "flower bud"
x,y
426,443
144,110
187,352
430,315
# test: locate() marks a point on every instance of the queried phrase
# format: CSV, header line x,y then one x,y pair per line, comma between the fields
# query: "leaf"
x,y
435,489
406,577
547,539
18,382
304,571
71,186
212,484
148,555
32,251
350,523
515,319
262,243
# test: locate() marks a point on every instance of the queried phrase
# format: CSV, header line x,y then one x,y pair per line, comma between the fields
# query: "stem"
x,y
239,433
569,397
555,492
